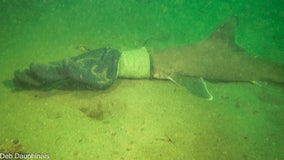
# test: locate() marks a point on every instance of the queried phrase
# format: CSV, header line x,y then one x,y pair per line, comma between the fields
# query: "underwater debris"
x,y
165,138
11,147
97,112
83,48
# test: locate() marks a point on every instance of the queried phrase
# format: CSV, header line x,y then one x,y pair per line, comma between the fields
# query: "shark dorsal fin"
x,y
225,33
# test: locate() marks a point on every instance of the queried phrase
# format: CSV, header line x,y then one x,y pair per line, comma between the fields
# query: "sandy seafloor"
x,y
138,119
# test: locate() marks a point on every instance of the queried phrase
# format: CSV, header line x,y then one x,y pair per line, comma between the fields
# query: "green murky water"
x,y
138,119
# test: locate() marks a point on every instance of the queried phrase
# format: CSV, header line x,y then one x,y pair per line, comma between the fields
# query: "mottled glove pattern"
x,y
95,69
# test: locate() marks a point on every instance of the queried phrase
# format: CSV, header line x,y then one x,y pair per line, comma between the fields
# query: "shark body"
x,y
217,58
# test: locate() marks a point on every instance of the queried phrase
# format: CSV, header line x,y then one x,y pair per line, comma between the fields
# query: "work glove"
x,y
96,69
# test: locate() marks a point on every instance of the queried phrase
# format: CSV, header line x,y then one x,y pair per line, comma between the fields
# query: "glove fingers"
x,y
23,79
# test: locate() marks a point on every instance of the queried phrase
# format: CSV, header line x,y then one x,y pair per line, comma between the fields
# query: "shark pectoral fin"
x,y
196,85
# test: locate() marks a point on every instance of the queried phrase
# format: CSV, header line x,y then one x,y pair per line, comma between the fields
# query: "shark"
x,y
217,58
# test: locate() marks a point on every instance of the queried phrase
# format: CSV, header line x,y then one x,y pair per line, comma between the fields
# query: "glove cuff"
x,y
134,64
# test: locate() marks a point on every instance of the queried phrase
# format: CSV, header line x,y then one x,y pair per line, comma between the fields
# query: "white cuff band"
x,y
134,64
